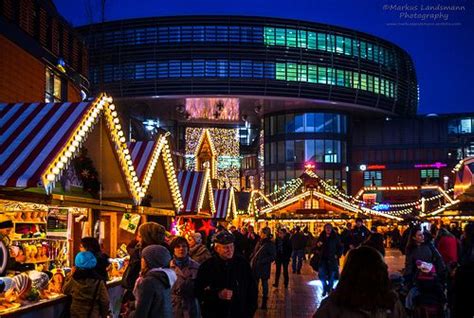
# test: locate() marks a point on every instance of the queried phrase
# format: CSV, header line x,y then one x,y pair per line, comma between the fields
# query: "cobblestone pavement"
x,y
303,295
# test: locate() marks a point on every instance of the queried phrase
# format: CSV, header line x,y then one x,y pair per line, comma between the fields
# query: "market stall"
x,y
65,165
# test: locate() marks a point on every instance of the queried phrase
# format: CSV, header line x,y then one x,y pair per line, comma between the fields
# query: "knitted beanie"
x,y
85,260
156,256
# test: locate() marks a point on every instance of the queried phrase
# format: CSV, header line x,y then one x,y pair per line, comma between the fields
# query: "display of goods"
x,y
57,281
39,280
22,284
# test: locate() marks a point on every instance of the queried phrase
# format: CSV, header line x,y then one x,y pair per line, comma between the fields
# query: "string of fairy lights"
x,y
288,191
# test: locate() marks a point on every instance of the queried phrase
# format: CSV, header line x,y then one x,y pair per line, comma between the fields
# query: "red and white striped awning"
x,y
191,183
32,135
142,153
223,200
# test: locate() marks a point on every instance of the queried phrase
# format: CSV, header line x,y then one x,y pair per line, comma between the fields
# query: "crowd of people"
x,y
185,277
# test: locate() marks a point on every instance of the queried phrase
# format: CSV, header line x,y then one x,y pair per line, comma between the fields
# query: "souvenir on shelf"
x,y
57,281
22,284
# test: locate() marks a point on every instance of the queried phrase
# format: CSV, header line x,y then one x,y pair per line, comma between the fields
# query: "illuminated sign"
x,y
309,165
375,167
436,165
381,207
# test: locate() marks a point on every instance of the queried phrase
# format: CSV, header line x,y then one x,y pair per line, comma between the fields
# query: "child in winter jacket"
x,y
87,289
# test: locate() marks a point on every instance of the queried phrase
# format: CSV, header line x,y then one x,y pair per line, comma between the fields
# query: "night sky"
x,y
443,54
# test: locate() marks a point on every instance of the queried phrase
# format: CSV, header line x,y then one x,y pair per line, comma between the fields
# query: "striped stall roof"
x,y
222,200
141,153
191,183
32,135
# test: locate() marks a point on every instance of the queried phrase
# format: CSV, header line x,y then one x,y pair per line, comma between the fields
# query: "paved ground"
x,y
304,292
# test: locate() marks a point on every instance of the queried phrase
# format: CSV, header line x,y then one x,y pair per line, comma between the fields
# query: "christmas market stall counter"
x,y
54,306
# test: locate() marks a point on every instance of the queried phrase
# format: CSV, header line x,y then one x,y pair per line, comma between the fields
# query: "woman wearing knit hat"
x,y
153,288
88,291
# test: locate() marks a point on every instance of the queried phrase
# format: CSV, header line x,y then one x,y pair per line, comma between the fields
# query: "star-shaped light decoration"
x,y
85,173
207,227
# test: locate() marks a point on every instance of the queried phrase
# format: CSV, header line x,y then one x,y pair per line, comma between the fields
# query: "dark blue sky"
x,y
443,54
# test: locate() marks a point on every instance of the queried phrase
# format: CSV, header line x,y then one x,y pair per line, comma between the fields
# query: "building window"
x,y
55,90
429,176
372,178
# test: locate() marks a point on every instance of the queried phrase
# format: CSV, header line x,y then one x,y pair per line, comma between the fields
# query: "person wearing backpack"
x,y
86,288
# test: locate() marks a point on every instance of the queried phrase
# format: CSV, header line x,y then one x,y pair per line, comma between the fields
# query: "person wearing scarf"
x,y
185,304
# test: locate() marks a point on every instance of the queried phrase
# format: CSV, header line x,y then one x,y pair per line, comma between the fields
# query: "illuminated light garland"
x,y
100,106
207,184
161,150
205,136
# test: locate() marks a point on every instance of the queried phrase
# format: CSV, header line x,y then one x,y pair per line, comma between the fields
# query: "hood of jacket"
x,y
165,275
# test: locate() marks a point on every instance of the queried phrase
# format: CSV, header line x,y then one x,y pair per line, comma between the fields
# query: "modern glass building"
x,y
301,82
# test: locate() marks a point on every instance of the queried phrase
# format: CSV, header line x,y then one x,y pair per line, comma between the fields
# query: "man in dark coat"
x,y
298,244
261,261
225,286
359,233
331,248
283,255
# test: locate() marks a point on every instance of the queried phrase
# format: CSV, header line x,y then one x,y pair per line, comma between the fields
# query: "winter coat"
x,y
330,251
359,235
153,294
133,269
447,246
427,253
199,253
298,241
262,257
184,301
235,274
102,264
81,287
329,309
283,249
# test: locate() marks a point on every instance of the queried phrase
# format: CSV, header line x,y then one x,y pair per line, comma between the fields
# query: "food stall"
x,y
67,174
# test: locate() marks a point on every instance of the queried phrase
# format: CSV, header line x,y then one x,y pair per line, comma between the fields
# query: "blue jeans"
x,y
297,259
327,278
